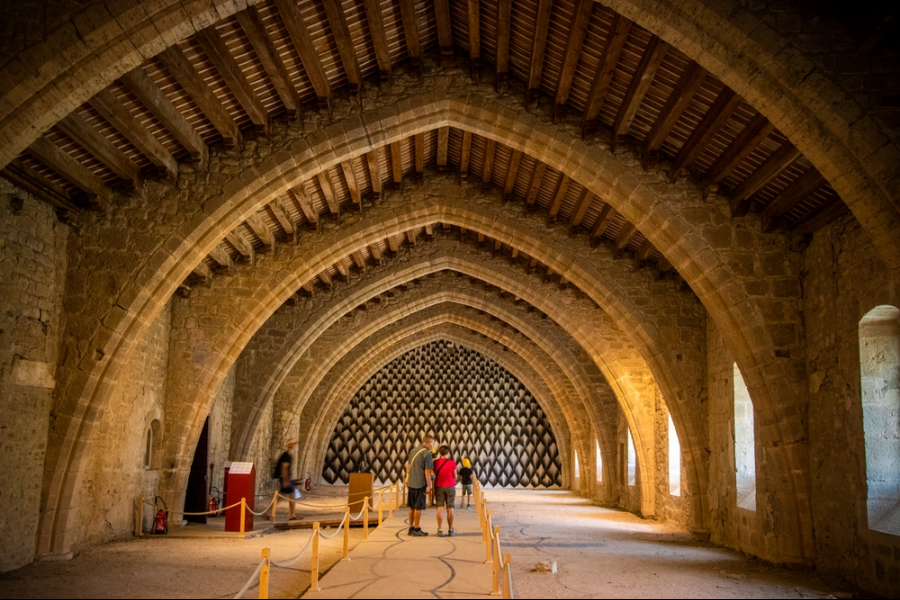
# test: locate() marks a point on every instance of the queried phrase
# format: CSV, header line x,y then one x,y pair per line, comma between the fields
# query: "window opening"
x,y
632,461
744,444
599,463
674,460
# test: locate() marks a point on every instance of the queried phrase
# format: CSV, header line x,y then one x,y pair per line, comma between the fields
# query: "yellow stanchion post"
x,y
495,590
274,506
380,507
366,519
507,583
489,539
346,556
139,517
243,516
314,567
264,575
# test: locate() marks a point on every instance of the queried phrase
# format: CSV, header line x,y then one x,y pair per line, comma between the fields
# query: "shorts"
x,y
467,489
415,498
445,496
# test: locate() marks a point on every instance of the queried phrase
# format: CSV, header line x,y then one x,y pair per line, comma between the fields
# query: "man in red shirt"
x,y
445,488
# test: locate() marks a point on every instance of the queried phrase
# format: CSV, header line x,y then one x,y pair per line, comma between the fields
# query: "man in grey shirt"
x,y
419,468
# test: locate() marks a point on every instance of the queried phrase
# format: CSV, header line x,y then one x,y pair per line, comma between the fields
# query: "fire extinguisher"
x,y
308,483
213,505
161,522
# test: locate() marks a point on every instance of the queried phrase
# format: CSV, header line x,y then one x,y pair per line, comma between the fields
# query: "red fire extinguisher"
x,y
308,483
161,522
213,505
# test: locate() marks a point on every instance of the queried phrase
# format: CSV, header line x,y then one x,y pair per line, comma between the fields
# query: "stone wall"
x,y
32,268
220,424
843,280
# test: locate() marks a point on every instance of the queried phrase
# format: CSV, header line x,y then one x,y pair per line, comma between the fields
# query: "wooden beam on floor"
x,y
177,64
743,145
561,190
538,47
474,17
334,12
602,224
396,165
262,231
411,34
279,210
511,174
221,58
488,167
100,196
465,156
688,85
255,30
324,177
637,89
443,146
612,51
118,116
306,206
793,195
713,121
309,56
780,160
374,173
77,128
352,184
571,55
379,39
581,207
445,32
534,186
504,23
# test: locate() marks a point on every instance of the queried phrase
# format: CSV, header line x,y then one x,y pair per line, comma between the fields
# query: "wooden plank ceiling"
x,y
577,58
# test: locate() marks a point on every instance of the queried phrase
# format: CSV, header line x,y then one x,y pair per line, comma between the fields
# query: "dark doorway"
x,y
196,499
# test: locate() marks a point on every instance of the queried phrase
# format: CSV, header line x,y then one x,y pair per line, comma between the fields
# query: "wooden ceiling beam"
x,y
488,167
780,160
118,116
612,51
827,214
538,47
581,207
411,237
324,178
77,128
203,271
309,288
419,142
281,214
177,64
445,31
153,99
688,85
663,266
571,55
379,39
532,265
262,231
644,252
309,56
374,174
624,238
411,34
334,12
429,231
793,195
393,245
352,183
40,187
255,30
474,15
62,162
360,260
325,276
375,249
534,186
306,206
504,23
221,256
602,224
465,155
637,89
561,190
396,165
713,121
511,174
221,58
743,145
244,248
443,147
342,269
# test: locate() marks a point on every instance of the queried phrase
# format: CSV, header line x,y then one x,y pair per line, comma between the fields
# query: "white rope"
x,y
509,579
264,511
358,515
196,514
254,579
334,535
284,564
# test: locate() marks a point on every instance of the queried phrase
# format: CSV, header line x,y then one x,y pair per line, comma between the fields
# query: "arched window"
x,y
577,469
632,461
674,460
879,362
599,463
744,444
152,458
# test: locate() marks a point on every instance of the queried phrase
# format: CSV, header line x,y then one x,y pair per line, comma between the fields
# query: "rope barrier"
x,y
254,579
264,511
334,535
196,514
286,564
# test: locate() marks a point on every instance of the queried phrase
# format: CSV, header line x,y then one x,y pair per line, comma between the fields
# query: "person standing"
x,y
282,474
445,489
467,478
419,469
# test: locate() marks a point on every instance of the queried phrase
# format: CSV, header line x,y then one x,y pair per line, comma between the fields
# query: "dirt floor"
x,y
599,553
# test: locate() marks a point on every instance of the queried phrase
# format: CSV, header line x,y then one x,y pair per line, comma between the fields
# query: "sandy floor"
x,y
599,553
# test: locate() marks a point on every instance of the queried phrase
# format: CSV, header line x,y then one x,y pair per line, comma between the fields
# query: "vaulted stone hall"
x,y
646,252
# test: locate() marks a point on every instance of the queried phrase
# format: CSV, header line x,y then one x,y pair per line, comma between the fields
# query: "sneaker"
x,y
440,533
452,533
412,531
418,533
469,507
